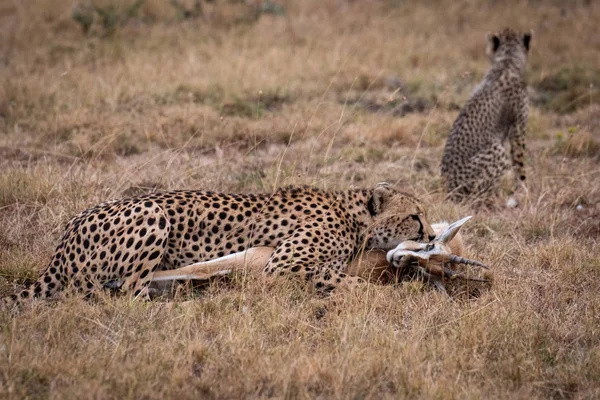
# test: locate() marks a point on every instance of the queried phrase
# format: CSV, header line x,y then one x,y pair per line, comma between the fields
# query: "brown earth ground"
x,y
239,96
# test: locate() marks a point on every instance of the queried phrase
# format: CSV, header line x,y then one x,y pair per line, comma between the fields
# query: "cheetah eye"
x,y
430,247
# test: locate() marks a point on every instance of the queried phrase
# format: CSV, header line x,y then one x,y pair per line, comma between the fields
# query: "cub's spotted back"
x,y
475,157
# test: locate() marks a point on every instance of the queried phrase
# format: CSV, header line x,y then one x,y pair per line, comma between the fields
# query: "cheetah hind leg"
x,y
137,278
488,167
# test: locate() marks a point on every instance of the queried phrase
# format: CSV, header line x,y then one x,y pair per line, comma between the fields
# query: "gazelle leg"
x,y
370,266
255,258
437,282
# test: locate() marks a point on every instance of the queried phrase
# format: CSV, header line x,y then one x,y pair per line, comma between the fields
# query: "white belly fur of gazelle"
x,y
431,259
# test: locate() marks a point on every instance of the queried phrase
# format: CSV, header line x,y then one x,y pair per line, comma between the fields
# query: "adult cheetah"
x,y
315,234
475,157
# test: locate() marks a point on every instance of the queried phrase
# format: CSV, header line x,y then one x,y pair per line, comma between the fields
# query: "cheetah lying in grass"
x,y
313,233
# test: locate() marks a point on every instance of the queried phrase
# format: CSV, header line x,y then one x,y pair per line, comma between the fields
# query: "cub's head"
x,y
509,45
396,217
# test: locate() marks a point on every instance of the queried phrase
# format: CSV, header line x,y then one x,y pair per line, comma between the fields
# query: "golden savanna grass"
x,y
328,93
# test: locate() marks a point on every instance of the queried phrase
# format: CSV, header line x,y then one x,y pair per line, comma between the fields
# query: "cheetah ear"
x,y
494,43
382,193
527,39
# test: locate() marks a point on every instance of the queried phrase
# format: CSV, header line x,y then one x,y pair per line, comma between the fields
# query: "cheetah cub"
x,y
475,157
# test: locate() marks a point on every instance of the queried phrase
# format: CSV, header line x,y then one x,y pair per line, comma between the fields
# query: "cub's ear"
x,y
381,195
493,43
527,39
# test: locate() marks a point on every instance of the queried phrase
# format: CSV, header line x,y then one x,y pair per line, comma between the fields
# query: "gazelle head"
x,y
435,258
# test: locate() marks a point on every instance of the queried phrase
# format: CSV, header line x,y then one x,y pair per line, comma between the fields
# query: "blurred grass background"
x,y
105,99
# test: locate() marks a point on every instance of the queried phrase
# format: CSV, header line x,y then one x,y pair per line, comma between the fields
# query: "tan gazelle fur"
x,y
431,259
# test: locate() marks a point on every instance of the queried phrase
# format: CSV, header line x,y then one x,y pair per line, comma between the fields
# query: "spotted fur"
x,y
475,157
315,234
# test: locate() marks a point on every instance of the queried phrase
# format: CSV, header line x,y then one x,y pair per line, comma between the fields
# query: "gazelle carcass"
x,y
433,260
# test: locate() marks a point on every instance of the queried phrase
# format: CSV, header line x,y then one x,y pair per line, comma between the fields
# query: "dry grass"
x,y
234,103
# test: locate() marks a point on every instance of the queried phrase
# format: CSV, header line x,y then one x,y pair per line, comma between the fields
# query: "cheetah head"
x,y
509,45
396,217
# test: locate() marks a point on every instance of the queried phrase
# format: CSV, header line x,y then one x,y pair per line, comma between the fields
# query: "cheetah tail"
x,y
10,304
45,286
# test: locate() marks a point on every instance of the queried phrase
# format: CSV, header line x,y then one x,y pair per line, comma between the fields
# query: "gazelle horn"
x,y
461,260
451,231
448,273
